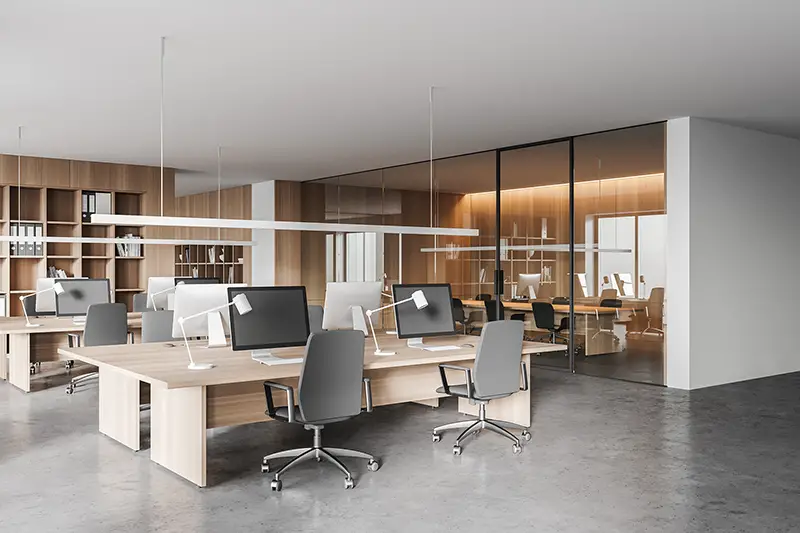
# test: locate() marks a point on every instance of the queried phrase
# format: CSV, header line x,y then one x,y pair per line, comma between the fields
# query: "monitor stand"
x,y
216,331
359,323
416,342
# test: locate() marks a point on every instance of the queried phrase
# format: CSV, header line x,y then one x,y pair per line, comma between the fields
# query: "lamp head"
x,y
58,288
242,304
419,299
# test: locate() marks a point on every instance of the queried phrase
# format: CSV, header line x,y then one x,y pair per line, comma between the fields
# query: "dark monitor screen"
x,y
196,281
279,318
79,294
435,319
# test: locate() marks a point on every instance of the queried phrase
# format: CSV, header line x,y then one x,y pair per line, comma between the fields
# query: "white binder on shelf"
x,y
14,244
39,247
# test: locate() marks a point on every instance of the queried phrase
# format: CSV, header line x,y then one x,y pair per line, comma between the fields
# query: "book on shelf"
x,y
129,249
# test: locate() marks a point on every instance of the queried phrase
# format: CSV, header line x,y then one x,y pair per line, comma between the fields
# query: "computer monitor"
x,y
158,291
342,297
278,318
79,294
196,281
530,283
624,283
191,299
435,319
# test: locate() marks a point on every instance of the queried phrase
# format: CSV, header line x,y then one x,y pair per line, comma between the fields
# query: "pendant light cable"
x,y
219,188
19,176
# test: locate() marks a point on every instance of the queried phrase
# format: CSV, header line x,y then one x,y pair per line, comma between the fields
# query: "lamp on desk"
x,y
57,287
242,305
418,297
391,299
153,295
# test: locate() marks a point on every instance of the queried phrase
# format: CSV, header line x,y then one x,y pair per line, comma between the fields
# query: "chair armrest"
x,y
368,393
268,386
467,374
524,370
74,340
130,337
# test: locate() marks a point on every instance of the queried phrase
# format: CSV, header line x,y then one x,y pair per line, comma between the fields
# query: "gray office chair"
x,y
616,304
140,302
496,374
157,326
106,324
655,311
329,391
315,314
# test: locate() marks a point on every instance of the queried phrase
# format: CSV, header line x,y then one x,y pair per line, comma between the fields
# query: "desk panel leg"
x,y
119,407
515,408
178,431
4,356
19,360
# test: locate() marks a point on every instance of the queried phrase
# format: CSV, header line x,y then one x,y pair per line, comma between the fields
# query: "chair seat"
x,y
461,392
282,413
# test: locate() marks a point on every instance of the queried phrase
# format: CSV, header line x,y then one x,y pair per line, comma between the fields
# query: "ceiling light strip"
x,y
280,225
123,240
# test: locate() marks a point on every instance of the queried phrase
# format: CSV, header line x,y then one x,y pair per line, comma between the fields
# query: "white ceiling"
x,y
299,90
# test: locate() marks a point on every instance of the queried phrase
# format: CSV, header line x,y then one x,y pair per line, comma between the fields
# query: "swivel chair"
x,y
495,375
545,317
329,391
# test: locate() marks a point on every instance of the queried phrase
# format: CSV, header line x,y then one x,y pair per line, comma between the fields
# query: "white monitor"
x,y
624,283
158,291
46,301
342,297
193,299
529,283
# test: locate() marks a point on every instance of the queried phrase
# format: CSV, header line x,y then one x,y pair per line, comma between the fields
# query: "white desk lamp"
x,y
419,300
242,305
57,287
153,295
391,298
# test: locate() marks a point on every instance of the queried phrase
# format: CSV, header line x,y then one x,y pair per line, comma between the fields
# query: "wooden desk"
x,y
185,403
28,345
525,307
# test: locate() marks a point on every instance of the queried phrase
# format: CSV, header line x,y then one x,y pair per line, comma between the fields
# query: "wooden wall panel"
x,y
288,244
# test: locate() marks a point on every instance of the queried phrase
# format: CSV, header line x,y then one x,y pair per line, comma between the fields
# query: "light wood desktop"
x,y
185,403
28,345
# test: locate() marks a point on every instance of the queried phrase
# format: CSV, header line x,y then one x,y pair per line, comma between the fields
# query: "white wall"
x,y
743,192
263,208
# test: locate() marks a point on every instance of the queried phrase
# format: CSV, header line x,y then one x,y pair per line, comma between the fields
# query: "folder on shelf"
x,y
39,247
102,203
31,233
14,244
22,246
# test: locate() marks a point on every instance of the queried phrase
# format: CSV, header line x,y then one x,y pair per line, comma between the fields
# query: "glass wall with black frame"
x,y
534,243
620,224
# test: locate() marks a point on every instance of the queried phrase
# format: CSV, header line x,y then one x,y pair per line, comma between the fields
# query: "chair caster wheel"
x,y
373,465
517,449
526,435
265,467
33,370
456,450
318,459
348,483
70,390
276,485
436,438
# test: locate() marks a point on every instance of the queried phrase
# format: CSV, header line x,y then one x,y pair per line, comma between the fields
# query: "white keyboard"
x,y
271,360
447,348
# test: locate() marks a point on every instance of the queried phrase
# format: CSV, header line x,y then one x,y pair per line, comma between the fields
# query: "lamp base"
x,y
29,325
200,366
383,352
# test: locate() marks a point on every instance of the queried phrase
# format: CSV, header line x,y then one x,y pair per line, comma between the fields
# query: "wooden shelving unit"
x,y
194,261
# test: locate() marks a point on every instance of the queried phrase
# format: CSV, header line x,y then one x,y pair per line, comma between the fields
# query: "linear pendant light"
x,y
580,248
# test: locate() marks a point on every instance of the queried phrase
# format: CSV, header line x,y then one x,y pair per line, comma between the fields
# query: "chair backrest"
x,y
544,315
106,324
491,310
611,303
483,297
560,300
458,311
157,326
315,315
330,381
496,371
655,304
608,294
140,302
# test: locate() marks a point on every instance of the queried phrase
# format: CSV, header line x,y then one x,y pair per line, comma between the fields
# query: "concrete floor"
x,y
606,456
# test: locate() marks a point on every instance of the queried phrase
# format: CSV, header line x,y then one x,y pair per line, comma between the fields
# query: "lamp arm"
x,y
369,313
186,342
190,317
372,329
153,295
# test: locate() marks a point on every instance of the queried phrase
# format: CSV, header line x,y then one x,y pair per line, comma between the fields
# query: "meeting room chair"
x,y
467,322
327,393
157,326
495,375
140,302
483,297
106,325
315,315
615,303
608,294
560,300
545,317
655,311
493,316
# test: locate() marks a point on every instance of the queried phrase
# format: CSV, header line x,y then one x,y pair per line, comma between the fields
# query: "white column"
x,y
263,208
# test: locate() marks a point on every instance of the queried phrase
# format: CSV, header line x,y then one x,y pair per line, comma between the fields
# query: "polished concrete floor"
x,y
606,456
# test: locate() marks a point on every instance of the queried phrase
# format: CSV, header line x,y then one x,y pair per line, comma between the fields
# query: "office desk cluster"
x,y
28,345
185,403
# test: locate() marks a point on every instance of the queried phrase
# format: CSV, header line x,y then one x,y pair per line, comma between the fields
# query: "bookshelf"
x,y
194,260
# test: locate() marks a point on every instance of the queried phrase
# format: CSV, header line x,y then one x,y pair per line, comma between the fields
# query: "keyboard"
x,y
271,360
446,348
